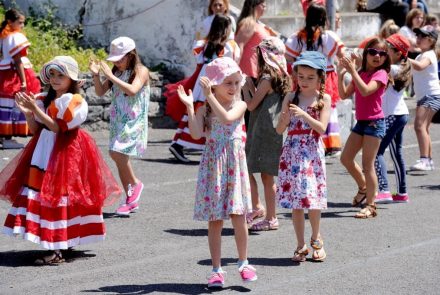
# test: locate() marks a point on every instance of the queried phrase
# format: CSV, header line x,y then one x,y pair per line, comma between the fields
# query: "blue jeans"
x,y
393,138
421,4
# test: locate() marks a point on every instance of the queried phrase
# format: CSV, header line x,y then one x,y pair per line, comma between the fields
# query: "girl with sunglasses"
x,y
369,86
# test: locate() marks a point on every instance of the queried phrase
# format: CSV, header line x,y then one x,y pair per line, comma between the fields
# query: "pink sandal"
x,y
264,225
254,214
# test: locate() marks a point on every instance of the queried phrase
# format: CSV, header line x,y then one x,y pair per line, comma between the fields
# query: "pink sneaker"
x,y
248,273
134,192
125,209
383,197
398,198
216,280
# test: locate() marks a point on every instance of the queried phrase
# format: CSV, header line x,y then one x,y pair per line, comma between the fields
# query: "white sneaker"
x,y
422,165
431,163
9,144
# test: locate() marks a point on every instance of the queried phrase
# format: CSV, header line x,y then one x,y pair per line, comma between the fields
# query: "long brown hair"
x,y
225,3
220,29
280,82
248,9
10,15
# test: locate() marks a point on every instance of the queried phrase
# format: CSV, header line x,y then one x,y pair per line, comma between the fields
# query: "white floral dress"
x,y
129,120
301,180
223,182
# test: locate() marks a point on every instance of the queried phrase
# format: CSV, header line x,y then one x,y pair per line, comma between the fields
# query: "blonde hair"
x,y
388,28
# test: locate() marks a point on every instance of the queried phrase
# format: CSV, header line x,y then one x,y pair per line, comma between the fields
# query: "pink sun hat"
x,y
220,68
120,47
273,50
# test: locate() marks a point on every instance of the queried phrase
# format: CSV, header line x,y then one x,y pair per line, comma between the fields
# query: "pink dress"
x,y
301,180
249,58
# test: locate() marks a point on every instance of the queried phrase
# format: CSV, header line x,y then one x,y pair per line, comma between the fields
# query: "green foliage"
x,y
49,38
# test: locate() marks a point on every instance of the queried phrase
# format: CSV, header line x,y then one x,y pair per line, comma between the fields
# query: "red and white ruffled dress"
x,y
12,121
59,182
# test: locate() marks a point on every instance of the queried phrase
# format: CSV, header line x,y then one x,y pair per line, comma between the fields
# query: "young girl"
x,y
263,144
129,84
16,75
216,7
223,190
427,89
301,176
369,85
396,116
314,37
215,45
59,182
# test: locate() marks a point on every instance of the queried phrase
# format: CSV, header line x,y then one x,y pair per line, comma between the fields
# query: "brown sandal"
x,y
54,258
318,250
300,254
359,198
369,211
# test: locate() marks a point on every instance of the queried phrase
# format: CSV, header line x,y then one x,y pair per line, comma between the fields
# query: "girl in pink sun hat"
x,y
223,190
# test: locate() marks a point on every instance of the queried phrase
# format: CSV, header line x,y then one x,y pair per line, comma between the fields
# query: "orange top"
x,y
249,58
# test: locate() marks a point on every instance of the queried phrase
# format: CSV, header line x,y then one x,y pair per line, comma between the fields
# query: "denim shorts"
x,y
375,128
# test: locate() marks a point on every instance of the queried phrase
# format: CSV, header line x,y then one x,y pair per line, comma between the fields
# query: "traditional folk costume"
x,y
12,121
59,182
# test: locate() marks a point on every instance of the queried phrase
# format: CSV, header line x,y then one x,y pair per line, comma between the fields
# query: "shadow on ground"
x,y
278,261
170,288
201,232
27,258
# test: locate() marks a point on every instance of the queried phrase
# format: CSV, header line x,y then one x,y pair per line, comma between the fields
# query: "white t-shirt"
x,y
11,46
205,27
426,81
393,103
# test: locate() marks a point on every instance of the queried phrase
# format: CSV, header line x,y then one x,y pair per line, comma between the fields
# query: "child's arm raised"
x,y
140,80
420,65
29,102
100,87
284,120
195,121
262,89
345,91
226,116
32,124
364,89
320,125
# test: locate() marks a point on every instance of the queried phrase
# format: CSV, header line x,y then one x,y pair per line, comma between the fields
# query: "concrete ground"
x,y
161,250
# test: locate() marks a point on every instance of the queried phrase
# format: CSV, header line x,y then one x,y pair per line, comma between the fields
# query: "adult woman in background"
x,y
215,7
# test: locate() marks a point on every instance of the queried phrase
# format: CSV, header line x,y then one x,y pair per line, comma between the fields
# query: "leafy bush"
x,y
50,38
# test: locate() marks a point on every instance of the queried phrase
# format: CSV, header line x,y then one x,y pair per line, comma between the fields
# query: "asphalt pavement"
x,y
161,250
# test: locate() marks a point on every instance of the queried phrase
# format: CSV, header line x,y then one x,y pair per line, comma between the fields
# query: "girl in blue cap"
x,y
301,176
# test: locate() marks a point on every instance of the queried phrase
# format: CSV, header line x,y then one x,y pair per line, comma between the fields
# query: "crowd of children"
x,y
291,91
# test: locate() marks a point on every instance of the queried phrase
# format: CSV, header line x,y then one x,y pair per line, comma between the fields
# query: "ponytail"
x,y
403,77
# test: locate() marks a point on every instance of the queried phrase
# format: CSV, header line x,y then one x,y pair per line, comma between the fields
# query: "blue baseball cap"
x,y
313,59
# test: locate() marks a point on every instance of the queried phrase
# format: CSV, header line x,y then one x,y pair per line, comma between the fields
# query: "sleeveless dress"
x,y
59,182
129,120
223,182
301,180
249,59
12,121
263,145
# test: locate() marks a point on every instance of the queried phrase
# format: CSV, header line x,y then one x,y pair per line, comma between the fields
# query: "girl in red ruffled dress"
x,y
59,183
16,75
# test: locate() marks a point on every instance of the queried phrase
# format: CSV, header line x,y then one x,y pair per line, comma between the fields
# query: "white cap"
x,y
120,47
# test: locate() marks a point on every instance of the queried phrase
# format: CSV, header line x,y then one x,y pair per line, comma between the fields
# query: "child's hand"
x,y
285,117
26,103
186,99
348,64
94,66
105,69
205,83
295,110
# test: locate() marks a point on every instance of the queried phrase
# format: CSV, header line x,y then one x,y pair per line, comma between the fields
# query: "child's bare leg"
x,y
298,224
421,126
269,195
315,222
369,152
215,241
256,204
125,170
351,148
241,235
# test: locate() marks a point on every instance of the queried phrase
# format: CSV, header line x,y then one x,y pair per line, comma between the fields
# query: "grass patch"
x,y
50,38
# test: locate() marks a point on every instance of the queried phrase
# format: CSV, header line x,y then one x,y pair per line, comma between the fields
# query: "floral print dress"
x,y
129,120
223,182
301,180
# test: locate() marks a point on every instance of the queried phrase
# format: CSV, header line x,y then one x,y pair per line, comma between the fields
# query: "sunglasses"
x,y
374,52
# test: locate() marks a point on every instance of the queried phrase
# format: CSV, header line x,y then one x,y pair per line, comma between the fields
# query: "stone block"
x,y
156,94
93,99
155,109
95,113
